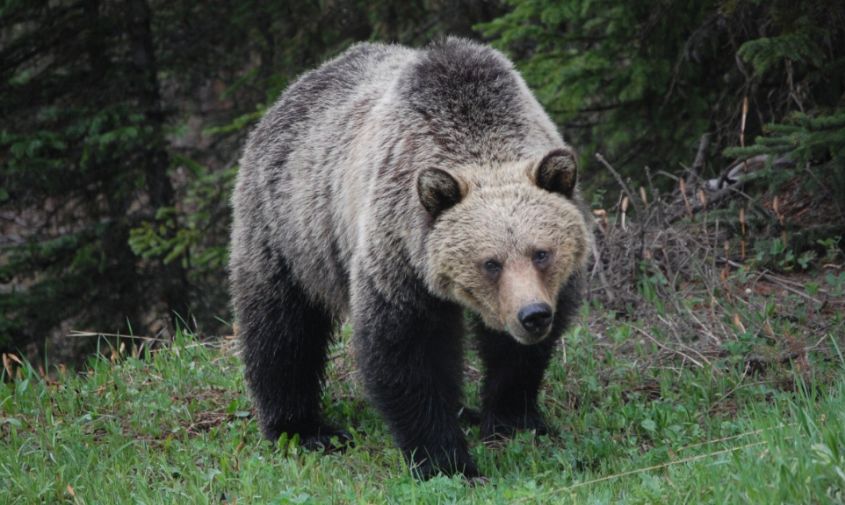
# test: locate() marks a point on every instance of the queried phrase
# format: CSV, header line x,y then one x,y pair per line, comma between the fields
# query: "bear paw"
x,y
327,439
425,468
497,426
324,438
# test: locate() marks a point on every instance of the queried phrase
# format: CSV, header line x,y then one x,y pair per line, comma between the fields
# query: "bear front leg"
x,y
512,376
410,356
283,340
513,372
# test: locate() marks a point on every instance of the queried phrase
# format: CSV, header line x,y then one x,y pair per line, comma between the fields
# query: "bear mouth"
x,y
527,338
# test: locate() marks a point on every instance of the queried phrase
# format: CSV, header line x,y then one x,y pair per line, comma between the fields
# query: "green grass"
x,y
174,426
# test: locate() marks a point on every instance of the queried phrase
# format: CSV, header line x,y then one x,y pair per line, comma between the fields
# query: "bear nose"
x,y
536,317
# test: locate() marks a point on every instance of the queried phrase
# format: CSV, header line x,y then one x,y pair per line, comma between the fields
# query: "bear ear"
x,y
557,172
439,190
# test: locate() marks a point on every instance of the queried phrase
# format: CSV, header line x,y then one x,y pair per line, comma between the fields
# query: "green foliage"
x,y
194,234
806,138
122,123
804,45
640,82
808,51
123,119
773,254
616,75
80,161
174,424
59,175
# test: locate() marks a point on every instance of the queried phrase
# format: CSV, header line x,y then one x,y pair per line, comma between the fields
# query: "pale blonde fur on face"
x,y
506,217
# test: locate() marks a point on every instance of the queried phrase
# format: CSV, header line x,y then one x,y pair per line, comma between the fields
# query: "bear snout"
x,y
536,318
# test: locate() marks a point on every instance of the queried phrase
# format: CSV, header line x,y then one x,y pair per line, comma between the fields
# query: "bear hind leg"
x,y
284,340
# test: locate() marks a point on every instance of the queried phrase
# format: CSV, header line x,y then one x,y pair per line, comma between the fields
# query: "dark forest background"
x,y
121,123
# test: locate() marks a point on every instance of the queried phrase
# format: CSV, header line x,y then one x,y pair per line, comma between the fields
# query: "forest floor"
x,y
640,415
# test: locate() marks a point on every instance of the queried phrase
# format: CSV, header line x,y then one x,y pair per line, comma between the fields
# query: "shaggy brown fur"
x,y
396,187
506,217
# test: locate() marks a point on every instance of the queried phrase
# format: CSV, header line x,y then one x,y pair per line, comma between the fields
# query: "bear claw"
x,y
327,439
495,428
426,469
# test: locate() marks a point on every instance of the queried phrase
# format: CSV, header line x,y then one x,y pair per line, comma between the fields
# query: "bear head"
x,y
505,239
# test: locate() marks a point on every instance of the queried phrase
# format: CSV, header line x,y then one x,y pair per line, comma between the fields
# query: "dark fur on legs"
x,y
513,372
284,339
410,357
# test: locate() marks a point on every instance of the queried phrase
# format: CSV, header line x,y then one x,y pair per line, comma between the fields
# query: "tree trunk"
x,y
171,277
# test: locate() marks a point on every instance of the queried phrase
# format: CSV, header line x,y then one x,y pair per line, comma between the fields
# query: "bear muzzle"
x,y
523,296
536,318
531,324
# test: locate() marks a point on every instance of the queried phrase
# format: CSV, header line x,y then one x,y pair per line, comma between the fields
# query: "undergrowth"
x,y
634,423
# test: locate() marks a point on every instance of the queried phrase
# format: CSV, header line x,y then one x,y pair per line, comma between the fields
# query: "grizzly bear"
x,y
395,188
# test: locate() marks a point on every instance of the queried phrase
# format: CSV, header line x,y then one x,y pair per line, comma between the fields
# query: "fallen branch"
x,y
700,157
667,348
737,174
621,183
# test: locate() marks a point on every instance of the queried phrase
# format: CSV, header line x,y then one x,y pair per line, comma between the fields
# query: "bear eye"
x,y
492,267
541,257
